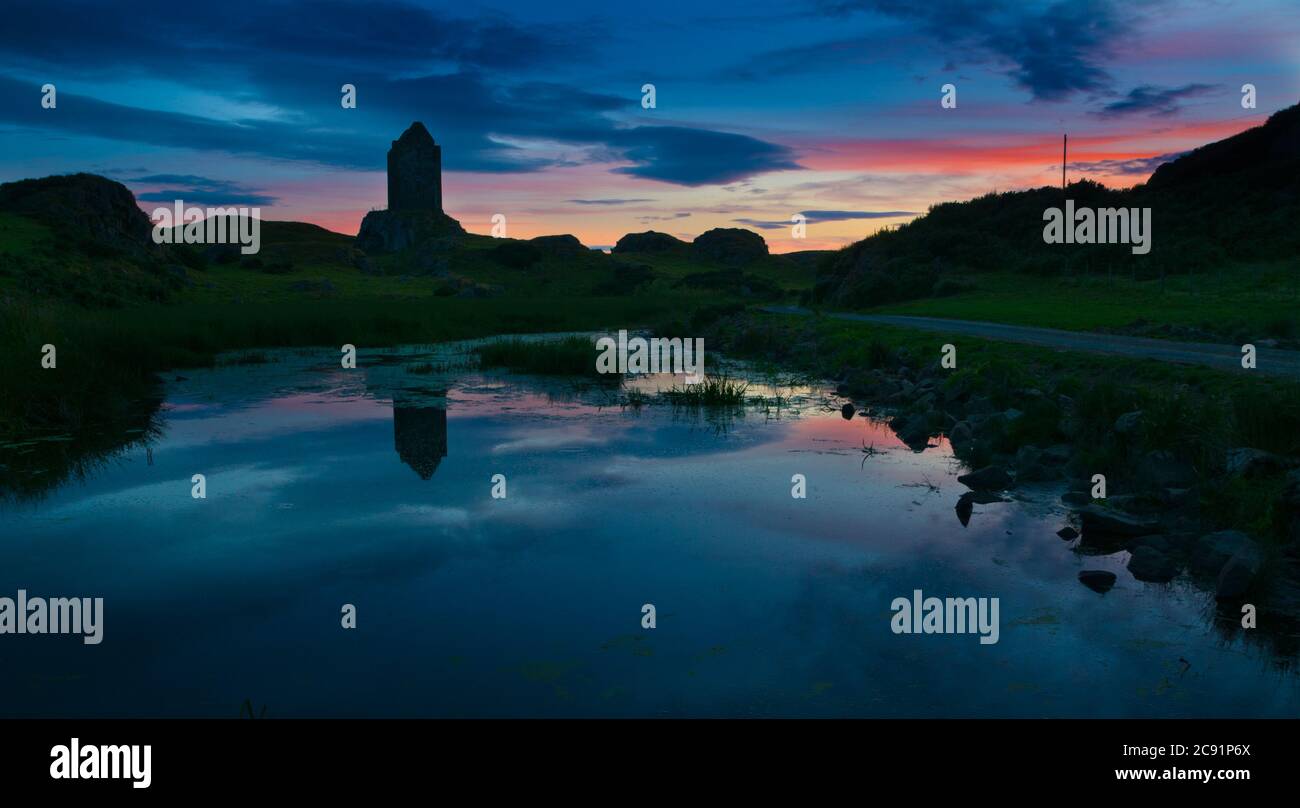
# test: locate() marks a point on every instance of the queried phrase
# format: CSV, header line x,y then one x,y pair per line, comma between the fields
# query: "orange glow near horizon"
x,y
920,172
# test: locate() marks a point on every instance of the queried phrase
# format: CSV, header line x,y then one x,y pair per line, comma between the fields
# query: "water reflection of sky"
x,y
469,605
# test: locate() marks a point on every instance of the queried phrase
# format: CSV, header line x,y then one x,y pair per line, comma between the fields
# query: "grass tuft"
x,y
712,391
569,356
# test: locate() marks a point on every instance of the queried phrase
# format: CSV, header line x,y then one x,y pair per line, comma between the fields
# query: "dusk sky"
x,y
764,109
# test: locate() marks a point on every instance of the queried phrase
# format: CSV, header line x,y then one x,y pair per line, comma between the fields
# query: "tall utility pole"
x,y
1065,141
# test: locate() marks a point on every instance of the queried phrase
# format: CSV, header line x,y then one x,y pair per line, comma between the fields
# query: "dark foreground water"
x,y
373,487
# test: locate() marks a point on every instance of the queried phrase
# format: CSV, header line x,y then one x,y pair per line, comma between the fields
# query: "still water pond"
x,y
373,488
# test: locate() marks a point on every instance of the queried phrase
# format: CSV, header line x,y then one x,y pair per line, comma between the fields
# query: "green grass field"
x,y
1255,301
19,235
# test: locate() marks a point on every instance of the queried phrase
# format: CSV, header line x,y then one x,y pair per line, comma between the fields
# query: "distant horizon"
x,y
760,111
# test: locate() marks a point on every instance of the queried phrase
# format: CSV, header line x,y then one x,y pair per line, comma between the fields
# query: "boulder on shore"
x,y
989,478
1160,469
1248,462
1213,550
1097,519
960,433
1151,565
1239,573
1128,423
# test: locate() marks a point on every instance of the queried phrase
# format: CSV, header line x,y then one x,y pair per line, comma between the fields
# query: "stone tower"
x,y
415,171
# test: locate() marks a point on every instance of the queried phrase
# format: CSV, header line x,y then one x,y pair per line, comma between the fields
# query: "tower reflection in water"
x,y
420,436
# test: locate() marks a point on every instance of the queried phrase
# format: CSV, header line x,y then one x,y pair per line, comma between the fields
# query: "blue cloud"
x,y
1053,50
691,157
406,61
1136,166
193,189
1154,100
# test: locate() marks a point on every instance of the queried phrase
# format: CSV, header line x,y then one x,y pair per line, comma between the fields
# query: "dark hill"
x,y
1275,144
1236,200
85,207
86,241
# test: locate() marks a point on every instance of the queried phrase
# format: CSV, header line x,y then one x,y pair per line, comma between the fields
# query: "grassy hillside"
x,y
1232,203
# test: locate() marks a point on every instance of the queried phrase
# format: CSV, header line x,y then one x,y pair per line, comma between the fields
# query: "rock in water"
x,y
964,509
1097,580
981,497
989,478
847,411
1239,573
1102,520
1151,565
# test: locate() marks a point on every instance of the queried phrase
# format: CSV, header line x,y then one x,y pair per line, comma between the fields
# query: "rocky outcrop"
x,y
83,206
649,242
386,231
558,245
732,246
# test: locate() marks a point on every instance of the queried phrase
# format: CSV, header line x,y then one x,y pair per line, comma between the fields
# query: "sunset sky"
x,y
764,109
